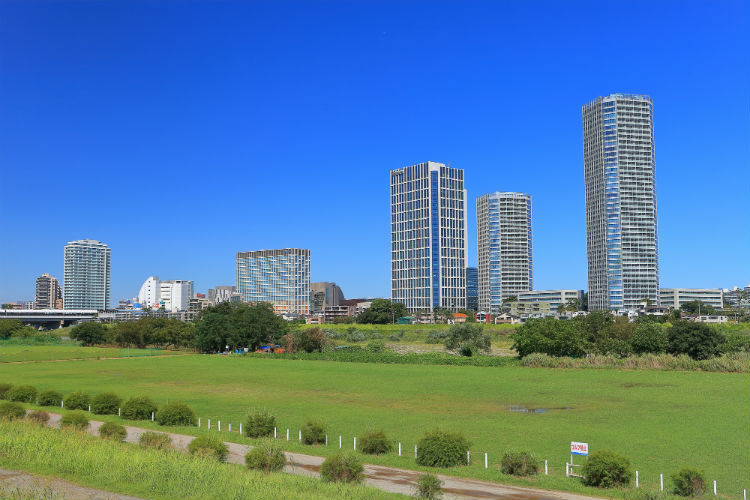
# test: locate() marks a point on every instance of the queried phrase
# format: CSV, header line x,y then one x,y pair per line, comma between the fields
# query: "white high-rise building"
x,y
86,281
149,296
175,295
428,237
621,229
504,248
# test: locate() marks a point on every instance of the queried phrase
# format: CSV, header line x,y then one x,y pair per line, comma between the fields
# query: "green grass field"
x,y
660,420
54,352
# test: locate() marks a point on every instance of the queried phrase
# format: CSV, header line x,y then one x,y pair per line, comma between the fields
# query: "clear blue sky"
x,y
182,132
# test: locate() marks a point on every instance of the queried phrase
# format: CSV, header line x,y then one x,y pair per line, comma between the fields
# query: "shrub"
x,y
375,443
467,339
11,411
314,432
260,423
208,446
551,336
77,401
105,403
697,340
376,346
175,413
442,449
113,431
308,340
89,333
4,390
428,486
649,337
689,482
50,398
156,440
75,419
519,463
436,337
38,417
267,457
343,468
138,408
22,394
607,469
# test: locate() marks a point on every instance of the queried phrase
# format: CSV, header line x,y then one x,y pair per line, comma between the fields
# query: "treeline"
x,y
601,333
156,332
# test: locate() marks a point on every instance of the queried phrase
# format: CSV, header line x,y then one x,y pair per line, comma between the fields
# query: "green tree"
x,y
129,333
8,327
551,336
89,333
382,312
649,337
238,325
697,340
467,339
442,315
697,307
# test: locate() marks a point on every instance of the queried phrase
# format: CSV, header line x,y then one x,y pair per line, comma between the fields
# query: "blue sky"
x,y
182,132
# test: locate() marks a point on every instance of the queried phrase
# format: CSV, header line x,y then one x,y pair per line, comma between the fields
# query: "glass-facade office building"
x,y
472,289
428,237
504,248
280,277
621,230
86,271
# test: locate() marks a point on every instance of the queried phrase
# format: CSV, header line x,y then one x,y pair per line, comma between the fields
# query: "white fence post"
x,y
714,487
209,424
661,482
240,428
119,412
546,472
415,451
274,432
567,474
468,457
339,441
299,437
219,426
287,434
399,449
230,426
152,419
744,494
326,439
485,461
62,404
355,444
199,422
636,479
90,410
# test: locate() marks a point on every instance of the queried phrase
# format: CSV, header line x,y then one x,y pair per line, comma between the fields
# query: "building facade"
x,y
222,294
555,298
676,297
86,275
280,277
472,289
504,248
149,294
324,294
428,237
175,295
621,228
48,293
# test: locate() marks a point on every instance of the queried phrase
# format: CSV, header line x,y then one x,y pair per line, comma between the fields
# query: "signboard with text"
x,y
579,448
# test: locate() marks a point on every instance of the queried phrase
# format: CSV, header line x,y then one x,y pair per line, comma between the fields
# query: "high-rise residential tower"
x,y
48,292
86,275
280,277
621,231
428,237
504,248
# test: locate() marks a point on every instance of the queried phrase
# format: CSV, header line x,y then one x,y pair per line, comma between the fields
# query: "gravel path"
x,y
15,484
385,478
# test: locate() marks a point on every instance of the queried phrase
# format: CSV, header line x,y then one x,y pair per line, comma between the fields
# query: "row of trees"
x,y
158,332
600,333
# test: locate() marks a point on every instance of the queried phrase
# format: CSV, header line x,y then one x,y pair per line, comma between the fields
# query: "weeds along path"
x,y
388,479
17,484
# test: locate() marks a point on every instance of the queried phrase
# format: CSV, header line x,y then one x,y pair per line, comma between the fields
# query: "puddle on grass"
x,y
525,409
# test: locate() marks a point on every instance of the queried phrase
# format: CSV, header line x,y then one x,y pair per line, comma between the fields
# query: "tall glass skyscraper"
x,y
472,289
280,277
621,231
428,237
504,248
86,275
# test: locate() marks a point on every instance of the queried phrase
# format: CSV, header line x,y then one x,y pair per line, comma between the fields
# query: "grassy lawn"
x,y
52,352
660,420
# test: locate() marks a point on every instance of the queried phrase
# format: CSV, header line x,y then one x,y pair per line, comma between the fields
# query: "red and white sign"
x,y
579,448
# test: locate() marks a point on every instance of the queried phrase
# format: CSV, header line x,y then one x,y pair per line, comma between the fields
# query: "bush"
x,y
138,408
551,336
649,337
156,440
376,346
89,333
442,449
113,431
208,446
175,413
343,468
607,469
75,419
689,482
519,463
697,340
308,340
77,401
11,411
50,398
259,424
38,417
105,403
436,337
4,390
267,457
22,394
375,443
467,339
314,432
428,486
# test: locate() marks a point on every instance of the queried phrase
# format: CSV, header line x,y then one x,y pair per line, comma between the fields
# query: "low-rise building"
x,y
555,298
676,297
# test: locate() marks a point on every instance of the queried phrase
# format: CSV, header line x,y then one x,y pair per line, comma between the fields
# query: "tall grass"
x,y
359,355
732,363
129,469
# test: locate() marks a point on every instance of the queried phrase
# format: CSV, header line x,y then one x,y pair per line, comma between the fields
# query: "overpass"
x,y
49,318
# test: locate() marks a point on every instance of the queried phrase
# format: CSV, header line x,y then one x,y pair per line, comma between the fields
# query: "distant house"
x,y
459,318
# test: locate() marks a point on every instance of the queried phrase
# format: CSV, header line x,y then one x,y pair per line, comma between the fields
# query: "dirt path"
x,y
20,484
385,478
